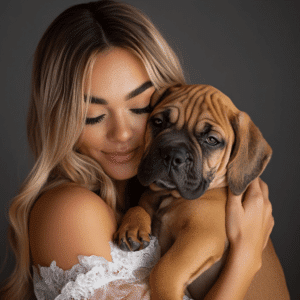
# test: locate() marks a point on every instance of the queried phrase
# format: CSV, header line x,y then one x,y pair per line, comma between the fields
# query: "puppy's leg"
x,y
133,233
194,251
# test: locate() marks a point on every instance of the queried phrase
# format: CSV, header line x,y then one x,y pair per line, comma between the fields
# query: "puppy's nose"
x,y
174,157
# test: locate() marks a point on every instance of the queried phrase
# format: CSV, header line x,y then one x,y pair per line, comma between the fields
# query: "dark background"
x,y
247,49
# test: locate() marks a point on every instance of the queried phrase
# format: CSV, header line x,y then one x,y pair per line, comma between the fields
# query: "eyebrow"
x,y
132,94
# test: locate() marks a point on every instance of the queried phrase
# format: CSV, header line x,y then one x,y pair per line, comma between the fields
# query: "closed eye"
x,y
91,121
144,110
138,111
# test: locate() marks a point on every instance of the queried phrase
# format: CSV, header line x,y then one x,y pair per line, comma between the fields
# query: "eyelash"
x,y
145,110
91,121
138,111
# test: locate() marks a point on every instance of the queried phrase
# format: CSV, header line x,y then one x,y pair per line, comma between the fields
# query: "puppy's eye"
x,y
157,122
212,141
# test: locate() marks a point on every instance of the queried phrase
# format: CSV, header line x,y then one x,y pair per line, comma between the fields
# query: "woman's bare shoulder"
x,y
68,221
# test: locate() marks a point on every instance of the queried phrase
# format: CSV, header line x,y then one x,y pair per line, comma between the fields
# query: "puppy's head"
x,y
197,139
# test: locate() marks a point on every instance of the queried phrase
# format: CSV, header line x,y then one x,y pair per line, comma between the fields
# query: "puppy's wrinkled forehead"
x,y
192,105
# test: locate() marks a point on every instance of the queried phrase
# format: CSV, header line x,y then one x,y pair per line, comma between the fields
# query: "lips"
x,y
122,156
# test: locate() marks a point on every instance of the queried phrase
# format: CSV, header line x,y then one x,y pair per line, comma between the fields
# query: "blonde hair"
x,y
63,62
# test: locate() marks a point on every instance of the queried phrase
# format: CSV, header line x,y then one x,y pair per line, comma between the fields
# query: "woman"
x,y
94,72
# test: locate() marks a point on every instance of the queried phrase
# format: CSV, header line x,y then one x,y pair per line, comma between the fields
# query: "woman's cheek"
x,y
91,137
143,124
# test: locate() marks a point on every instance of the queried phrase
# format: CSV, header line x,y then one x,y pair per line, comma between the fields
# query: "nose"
x,y
175,158
120,130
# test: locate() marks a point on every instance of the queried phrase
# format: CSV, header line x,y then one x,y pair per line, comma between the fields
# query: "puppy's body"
x,y
175,216
197,145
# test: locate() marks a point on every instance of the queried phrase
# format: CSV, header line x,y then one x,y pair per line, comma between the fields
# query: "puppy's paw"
x,y
128,242
134,232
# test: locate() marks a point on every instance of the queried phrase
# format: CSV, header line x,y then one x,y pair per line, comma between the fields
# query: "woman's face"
x,y
116,119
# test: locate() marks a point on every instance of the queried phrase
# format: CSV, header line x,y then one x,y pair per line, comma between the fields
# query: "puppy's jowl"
x,y
197,145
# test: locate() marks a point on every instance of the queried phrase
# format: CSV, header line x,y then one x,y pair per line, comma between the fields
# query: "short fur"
x,y
197,145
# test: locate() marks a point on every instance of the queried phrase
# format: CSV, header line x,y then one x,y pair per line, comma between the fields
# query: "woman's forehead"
x,y
119,70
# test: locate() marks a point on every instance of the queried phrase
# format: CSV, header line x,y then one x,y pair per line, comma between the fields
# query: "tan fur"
x,y
192,233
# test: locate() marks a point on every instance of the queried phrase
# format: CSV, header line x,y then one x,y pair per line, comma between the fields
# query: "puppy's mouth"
x,y
180,191
165,184
189,189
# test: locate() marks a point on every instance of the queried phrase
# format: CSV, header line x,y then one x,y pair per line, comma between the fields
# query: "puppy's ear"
x,y
160,94
250,155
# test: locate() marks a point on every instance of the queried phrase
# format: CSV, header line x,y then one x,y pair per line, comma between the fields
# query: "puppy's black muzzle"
x,y
174,163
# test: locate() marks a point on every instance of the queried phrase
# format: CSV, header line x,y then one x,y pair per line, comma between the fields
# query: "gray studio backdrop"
x,y
247,49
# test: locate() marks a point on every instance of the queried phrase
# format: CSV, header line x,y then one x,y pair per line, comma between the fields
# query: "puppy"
x,y
197,145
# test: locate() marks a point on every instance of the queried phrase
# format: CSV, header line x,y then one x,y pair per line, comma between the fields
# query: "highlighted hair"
x,y
63,63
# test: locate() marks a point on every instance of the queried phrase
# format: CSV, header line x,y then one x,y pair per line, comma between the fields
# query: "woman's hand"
x,y
249,221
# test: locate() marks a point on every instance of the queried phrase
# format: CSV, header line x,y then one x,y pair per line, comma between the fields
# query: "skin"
x,y
115,75
70,220
244,261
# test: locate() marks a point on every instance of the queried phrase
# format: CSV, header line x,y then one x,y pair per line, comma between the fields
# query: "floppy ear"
x,y
250,155
160,94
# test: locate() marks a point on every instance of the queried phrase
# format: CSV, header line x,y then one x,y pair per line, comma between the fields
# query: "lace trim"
x,y
93,272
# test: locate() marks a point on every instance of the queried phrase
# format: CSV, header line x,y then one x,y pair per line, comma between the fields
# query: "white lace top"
x,y
126,277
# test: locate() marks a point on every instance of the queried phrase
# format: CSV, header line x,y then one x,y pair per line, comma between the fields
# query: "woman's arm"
x,y
249,223
235,278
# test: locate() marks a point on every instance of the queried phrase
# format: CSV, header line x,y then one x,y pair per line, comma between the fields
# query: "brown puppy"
x,y
197,144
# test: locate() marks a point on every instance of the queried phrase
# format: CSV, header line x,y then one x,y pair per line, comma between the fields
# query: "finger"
x,y
253,187
234,207
266,242
264,188
269,232
234,200
253,194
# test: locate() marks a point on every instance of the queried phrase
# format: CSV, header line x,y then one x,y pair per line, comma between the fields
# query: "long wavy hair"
x,y
62,65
